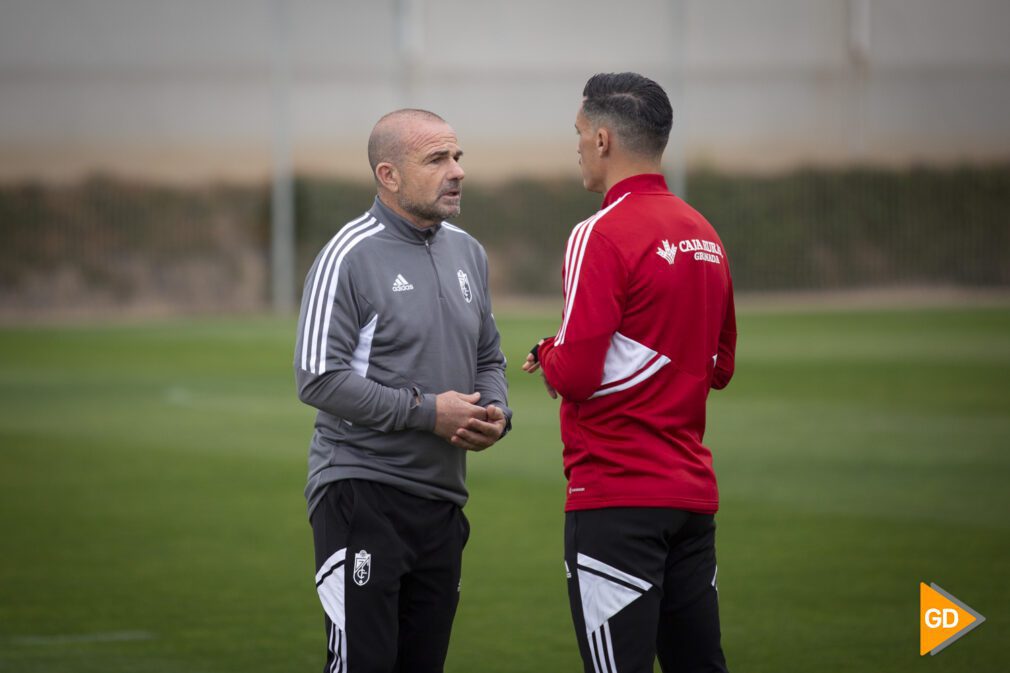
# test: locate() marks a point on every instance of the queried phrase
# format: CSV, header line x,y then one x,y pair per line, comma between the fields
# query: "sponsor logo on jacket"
x,y
667,252
704,251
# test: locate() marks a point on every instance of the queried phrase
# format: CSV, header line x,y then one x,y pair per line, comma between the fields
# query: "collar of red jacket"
x,y
644,183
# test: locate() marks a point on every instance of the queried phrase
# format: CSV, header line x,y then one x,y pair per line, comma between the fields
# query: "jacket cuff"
x,y
543,350
508,420
482,402
422,416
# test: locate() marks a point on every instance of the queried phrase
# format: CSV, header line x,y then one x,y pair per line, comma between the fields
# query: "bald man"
x,y
398,351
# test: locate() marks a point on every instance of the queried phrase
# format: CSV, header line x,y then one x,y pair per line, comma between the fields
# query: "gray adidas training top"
x,y
391,314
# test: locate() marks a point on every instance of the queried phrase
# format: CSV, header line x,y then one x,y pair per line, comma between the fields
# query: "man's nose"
x,y
456,172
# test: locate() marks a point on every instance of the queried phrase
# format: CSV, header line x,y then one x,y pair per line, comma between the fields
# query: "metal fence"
x,y
104,245
194,91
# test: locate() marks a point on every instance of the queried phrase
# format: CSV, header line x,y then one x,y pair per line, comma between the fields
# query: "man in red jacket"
x,y
648,328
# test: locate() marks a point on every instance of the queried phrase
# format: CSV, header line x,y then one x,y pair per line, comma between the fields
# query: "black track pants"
x,y
642,583
388,576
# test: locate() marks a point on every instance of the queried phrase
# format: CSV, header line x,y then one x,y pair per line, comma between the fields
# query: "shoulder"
x,y
607,216
352,233
607,223
645,214
633,207
458,236
454,232
348,240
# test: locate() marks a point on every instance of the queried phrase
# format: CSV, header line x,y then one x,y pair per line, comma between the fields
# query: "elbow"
x,y
572,383
575,370
305,390
721,378
574,391
308,387
579,391
577,394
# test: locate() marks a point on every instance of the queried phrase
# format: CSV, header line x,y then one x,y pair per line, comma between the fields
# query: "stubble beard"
x,y
430,212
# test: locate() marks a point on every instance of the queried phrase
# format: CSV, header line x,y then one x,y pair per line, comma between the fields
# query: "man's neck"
x,y
390,203
625,169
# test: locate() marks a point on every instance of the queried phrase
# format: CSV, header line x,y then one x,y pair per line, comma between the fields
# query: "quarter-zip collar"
x,y
401,228
644,183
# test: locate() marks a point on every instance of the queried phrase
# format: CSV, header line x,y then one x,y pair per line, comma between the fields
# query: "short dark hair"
x,y
633,106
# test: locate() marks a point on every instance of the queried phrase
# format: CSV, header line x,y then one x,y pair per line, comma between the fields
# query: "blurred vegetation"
x,y
862,227
105,241
523,224
807,229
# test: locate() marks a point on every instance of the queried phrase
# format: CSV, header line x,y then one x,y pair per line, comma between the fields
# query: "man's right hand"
x,y
453,410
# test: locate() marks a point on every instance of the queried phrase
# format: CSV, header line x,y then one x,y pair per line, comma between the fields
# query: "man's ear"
x,y
388,176
602,141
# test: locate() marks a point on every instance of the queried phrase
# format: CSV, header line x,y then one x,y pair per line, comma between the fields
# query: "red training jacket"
x,y
648,327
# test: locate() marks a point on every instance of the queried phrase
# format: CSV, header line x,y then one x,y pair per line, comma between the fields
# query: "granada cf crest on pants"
x,y
464,286
362,567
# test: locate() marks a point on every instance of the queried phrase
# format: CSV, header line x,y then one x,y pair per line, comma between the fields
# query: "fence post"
x,y
282,216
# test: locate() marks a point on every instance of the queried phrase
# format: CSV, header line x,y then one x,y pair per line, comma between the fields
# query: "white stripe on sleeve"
x,y
331,294
359,361
577,253
321,267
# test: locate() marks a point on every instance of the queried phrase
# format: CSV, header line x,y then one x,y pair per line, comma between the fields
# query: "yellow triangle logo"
x,y
942,619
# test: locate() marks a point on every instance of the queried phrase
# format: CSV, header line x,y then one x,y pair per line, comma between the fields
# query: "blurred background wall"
x,y
834,143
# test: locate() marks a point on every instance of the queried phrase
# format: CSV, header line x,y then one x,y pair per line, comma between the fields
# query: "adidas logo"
x,y
401,284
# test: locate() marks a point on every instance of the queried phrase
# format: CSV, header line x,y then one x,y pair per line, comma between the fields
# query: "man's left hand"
x,y
532,365
479,435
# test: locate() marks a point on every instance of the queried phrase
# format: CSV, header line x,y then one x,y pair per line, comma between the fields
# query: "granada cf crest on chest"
x,y
362,567
464,286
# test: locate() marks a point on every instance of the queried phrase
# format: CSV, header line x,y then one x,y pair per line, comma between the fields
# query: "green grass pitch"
x,y
151,516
